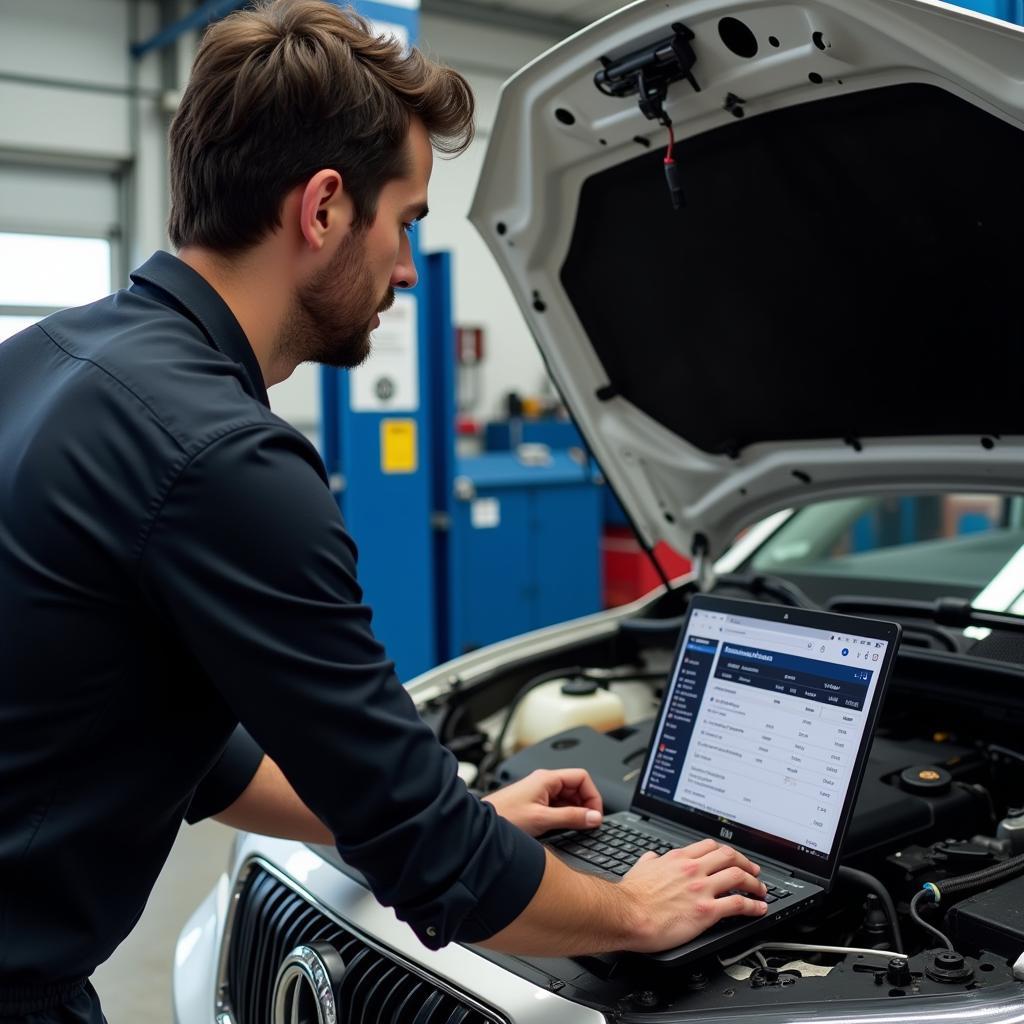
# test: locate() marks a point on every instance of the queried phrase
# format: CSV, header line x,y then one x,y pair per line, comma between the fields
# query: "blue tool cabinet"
x,y
524,546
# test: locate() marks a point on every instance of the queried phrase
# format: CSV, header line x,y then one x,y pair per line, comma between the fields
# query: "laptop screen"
x,y
765,725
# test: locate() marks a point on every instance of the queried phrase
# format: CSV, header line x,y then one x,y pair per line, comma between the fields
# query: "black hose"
x,y
918,898
452,720
981,879
962,884
977,789
872,884
490,760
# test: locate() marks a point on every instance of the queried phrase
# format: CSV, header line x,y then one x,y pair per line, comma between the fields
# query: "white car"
x,y
799,323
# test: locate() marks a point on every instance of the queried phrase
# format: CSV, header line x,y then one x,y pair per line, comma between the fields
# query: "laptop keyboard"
x,y
616,848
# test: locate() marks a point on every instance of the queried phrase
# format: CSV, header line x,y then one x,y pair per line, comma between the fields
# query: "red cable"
x,y
670,152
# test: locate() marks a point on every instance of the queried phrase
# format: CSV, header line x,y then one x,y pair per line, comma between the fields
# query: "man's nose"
x,y
404,275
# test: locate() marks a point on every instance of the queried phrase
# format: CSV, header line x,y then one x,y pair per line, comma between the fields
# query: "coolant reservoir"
x,y
563,704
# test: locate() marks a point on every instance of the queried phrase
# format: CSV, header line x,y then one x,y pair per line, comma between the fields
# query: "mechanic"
x,y
173,563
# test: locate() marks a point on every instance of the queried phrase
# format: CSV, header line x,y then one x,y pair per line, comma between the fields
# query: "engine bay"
x,y
942,800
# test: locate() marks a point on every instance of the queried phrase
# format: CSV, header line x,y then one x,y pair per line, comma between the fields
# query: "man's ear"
x,y
325,209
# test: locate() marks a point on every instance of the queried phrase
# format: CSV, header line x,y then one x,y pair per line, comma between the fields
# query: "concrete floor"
x,y
135,983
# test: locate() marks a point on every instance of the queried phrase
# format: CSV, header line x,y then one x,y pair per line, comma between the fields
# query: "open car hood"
x,y
834,309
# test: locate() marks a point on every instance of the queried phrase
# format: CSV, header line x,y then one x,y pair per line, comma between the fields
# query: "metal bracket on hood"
x,y
649,72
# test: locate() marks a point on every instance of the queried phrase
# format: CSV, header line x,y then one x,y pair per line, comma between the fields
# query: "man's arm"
x,y
270,806
662,902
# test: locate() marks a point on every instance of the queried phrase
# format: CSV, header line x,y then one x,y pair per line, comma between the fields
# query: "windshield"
x,y
921,546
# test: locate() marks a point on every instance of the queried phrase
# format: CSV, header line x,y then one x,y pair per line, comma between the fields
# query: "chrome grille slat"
x,y
355,971
359,993
268,950
394,998
271,919
427,1010
258,886
408,1005
373,1005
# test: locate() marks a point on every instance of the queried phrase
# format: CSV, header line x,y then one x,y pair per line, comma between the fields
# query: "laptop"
x,y
760,742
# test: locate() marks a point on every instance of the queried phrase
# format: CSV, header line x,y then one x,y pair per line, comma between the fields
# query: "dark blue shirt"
x,y
172,563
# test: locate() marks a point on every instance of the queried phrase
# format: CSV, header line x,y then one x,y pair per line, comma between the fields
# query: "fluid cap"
x,y
579,687
926,779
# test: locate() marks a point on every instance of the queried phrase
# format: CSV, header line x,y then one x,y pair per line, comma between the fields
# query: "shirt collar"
x,y
196,298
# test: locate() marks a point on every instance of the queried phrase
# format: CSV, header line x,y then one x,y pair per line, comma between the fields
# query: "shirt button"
x,y
432,932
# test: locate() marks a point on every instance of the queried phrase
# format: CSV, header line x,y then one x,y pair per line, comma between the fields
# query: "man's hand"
x,y
680,895
546,800
662,902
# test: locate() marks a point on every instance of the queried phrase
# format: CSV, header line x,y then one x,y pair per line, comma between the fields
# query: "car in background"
x,y
769,253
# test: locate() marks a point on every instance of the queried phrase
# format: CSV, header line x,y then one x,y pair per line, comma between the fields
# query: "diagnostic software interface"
x,y
762,725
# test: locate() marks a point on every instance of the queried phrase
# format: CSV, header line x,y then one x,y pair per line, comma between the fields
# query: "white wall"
x,y
98,119
75,41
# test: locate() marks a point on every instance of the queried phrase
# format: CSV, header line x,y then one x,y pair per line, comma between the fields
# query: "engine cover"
x,y
891,810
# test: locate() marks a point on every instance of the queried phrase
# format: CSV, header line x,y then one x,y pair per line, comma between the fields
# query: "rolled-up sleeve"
x,y
228,779
249,559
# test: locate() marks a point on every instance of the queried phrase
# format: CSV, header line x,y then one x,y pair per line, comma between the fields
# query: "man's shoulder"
x,y
158,365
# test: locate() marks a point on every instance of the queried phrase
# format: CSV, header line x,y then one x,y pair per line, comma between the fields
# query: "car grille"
x,y
271,920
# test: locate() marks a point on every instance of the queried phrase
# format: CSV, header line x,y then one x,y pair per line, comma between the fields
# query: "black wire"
x,y
658,567
872,884
924,924
452,720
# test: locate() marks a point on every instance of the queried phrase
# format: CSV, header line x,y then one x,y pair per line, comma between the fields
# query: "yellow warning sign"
x,y
398,446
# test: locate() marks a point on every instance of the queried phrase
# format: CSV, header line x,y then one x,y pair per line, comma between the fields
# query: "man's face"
x,y
336,310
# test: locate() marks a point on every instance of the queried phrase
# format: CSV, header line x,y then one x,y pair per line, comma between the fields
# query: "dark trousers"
x,y
82,1009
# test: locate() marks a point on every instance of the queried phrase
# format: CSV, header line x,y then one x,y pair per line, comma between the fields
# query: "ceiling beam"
x,y
515,19
211,10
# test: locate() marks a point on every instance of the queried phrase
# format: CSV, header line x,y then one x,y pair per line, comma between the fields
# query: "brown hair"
x,y
290,88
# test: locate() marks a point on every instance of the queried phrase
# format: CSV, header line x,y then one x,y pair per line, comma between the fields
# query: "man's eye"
x,y
409,228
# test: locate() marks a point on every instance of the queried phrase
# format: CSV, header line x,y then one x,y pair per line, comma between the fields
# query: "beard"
x,y
332,316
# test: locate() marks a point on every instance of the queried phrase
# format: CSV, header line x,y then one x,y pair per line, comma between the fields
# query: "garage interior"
x,y
87,91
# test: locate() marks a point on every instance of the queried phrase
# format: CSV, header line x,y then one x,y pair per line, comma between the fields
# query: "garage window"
x,y
40,274
60,231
